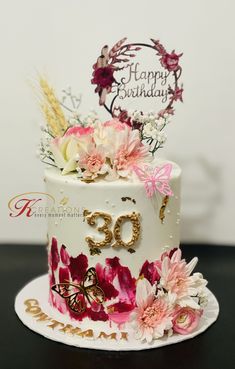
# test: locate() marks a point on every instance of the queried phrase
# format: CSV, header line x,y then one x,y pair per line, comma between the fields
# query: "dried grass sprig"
x,y
52,110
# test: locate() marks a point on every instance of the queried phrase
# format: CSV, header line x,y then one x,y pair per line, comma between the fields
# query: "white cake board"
x,y
38,289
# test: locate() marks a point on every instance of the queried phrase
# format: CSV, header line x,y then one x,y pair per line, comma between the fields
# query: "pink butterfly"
x,y
156,179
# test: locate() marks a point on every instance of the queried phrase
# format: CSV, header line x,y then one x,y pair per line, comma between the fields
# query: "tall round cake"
x,y
116,271
113,230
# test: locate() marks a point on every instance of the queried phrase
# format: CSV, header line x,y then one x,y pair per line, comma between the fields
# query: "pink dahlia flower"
x,y
185,320
129,152
176,278
152,316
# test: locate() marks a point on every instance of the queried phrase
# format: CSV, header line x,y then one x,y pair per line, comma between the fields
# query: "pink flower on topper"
x,y
156,179
171,61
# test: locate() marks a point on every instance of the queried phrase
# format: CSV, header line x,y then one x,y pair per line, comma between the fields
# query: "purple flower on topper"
x,y
107,63
103,77
156,179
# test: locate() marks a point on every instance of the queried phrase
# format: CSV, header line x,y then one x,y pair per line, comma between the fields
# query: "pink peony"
x,y
93,160
170,61
176,278
79,131
152,316
185,320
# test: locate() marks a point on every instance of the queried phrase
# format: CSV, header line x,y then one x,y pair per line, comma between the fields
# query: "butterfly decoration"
x,y
77,294
156,179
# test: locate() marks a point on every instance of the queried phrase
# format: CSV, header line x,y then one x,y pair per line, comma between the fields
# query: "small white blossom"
x,y
161,137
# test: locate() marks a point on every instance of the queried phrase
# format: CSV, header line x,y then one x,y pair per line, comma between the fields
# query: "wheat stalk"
x,y
52,110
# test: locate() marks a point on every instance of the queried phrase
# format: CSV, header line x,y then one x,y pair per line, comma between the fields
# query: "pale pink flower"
x,y
79,131
185,320
152,316
176,278
65,150
130,152
93,160
115,123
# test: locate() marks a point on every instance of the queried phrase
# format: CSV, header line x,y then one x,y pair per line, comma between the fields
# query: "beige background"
x,y
62,38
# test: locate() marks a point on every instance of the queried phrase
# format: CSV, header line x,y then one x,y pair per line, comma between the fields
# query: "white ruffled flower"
x,y
176,278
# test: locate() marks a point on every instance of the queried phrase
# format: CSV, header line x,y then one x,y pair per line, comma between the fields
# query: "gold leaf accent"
x,y
165,201
64,201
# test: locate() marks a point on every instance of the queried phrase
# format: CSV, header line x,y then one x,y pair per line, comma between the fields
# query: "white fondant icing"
x,y
72,230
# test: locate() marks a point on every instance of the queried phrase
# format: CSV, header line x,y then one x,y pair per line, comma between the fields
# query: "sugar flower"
x,y
176,278
152,316
185,320
65,149
129,151
93,160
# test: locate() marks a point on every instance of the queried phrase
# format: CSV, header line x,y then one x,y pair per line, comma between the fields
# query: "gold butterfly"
x,y
76,294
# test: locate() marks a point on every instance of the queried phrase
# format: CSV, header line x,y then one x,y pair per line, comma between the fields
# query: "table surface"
x,y
23,349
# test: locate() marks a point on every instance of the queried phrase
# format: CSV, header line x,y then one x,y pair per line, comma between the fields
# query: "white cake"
x,y
115,266
157,232
117,198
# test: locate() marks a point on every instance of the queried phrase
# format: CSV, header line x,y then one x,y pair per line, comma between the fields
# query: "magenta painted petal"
x,y
127,285
54,257
98,315
77,316
109,290
113,263
149,271
51,279
78,267
64,275
120,318
122,307
111,270
64,255
104,280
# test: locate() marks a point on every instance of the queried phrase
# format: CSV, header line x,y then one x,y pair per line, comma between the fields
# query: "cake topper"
x,y
122,80
128,74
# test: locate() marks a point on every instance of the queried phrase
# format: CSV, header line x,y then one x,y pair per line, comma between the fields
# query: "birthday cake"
x,y
115,267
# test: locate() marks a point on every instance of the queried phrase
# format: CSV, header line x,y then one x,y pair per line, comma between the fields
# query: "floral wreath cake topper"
x,y
124,146
119,58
